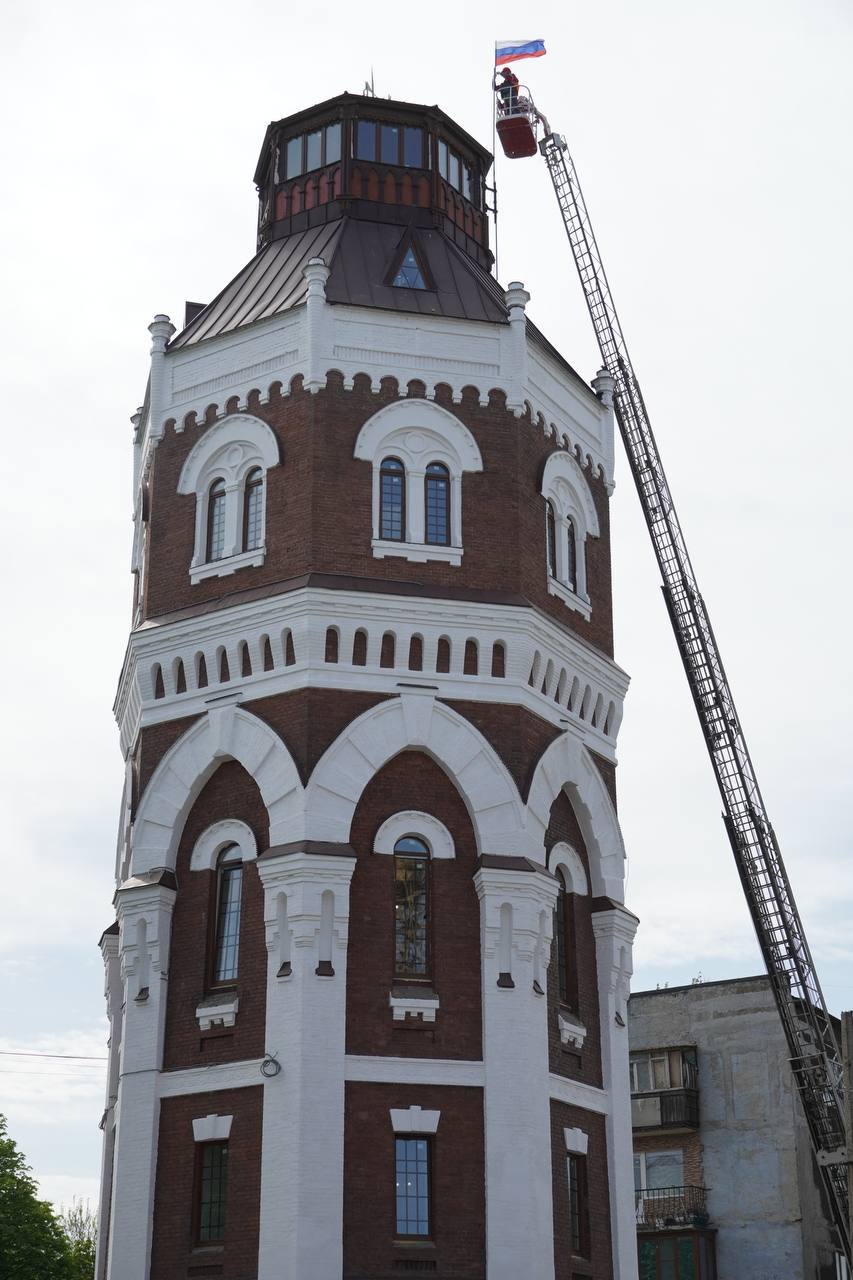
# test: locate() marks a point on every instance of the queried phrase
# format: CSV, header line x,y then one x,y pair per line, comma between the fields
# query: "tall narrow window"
x,y
564,932
392,500
228,915
437,501
216,521
572,556
412,1186
551,526
411,908
253,509
578,1205
212,1183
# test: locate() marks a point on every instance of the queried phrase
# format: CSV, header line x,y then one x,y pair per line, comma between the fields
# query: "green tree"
x,y
33,1245
80,1224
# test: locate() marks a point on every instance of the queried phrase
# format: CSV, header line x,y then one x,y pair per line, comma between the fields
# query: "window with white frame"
x,y
657,1170
570,520
419,453
227,471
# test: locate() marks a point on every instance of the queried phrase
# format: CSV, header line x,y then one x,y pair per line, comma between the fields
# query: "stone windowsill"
x,y
218,1011
581,604
416,1002
420,552
228,564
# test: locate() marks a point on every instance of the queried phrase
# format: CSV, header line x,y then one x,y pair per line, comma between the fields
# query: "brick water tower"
x,y
367,980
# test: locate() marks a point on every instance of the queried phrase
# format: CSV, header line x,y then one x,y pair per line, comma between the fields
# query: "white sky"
x,y
712,142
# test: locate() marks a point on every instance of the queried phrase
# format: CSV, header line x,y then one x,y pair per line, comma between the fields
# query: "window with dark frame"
x,y
389,143
411,908
578,1205
551,527
392,500
229,891
409,274
412,1170
253,509
572,559
211,1189
437,504
564,932
311,151
216,520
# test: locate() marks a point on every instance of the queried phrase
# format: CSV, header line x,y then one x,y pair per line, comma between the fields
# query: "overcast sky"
x,y
712,142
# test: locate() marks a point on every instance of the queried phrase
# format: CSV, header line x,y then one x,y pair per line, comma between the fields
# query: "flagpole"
x,y
495,159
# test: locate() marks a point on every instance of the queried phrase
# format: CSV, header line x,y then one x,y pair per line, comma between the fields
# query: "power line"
x,y
31,1053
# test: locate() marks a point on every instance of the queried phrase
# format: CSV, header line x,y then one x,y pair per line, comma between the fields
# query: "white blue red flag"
x,y
514,50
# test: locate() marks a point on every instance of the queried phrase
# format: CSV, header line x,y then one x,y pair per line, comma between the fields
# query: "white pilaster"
x,y
113,998
614,931
306,915
145,917
161,330
316,273
516,910
517,299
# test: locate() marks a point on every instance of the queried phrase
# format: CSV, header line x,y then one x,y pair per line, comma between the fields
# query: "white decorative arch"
x,y
565,484
569,861
229,448
226,733
416,720
419,432
410,822
567,766
220,836
229,451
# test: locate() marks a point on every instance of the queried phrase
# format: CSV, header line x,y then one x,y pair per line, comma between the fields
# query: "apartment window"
x,y
578,1205
253,510
412,1169
411,908
216,521
657,1170
392,500
437,504
212,1182
650,1071
229,890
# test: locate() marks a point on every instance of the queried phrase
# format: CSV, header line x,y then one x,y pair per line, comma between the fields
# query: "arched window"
x,y
392,500
437,504
411,908
551,526
228,893
564,933
253,510
216,521
572,555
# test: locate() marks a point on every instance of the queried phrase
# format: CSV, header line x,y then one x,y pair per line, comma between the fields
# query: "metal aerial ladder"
x,y
815,1056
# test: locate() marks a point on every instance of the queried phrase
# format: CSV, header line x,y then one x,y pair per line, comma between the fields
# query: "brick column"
x,y
306,915
516,910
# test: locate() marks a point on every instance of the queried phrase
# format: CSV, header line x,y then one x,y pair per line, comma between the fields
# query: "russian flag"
x,y
513,50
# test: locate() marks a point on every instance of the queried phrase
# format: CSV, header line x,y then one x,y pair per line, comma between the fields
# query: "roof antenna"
x,y
369,91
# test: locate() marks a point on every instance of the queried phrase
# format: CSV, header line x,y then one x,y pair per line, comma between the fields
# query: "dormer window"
x,y
409,274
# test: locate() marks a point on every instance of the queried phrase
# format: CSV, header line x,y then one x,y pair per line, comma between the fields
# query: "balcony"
x,y
671,1109
661,1207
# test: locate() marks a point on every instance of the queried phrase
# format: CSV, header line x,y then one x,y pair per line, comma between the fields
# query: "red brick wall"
x,y
413,781
599,1264
458,1245
230,793
586,1065
319,509
174,1253
517,735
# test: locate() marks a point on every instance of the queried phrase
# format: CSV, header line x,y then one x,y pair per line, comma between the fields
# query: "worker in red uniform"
x,y
507,89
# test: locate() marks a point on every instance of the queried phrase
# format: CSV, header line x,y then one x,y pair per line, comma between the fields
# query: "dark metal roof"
x,y
271,283
360,254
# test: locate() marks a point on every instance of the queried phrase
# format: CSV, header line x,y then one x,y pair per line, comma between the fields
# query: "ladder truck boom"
x,y
814,1052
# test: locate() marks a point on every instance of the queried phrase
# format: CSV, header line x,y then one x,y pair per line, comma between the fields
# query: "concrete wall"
x,y
762,1196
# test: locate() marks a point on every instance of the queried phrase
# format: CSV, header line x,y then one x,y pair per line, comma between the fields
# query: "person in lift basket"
x,y
507,89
